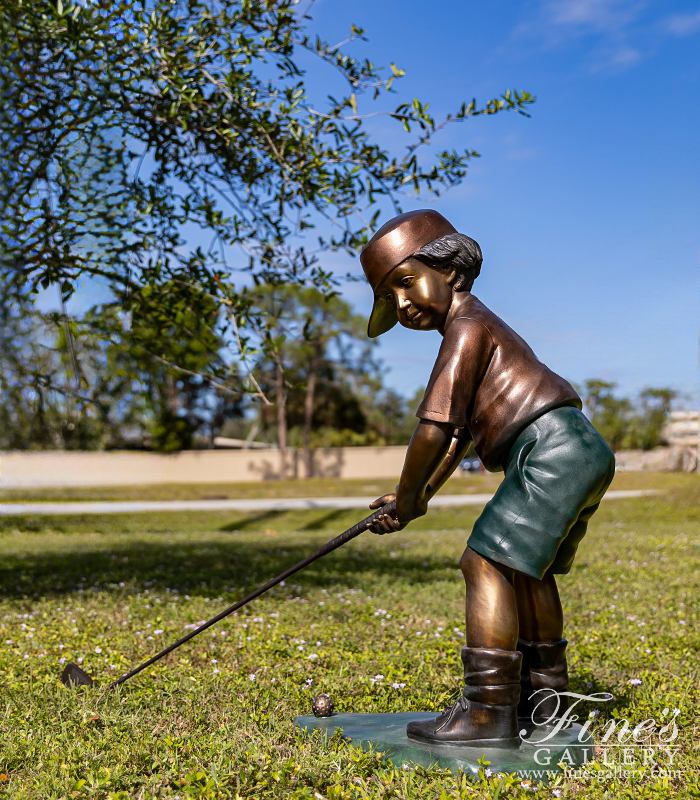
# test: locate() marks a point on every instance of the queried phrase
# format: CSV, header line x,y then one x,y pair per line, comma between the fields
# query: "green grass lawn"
x,y
215,718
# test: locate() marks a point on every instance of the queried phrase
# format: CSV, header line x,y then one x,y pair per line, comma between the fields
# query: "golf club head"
x,y
73,676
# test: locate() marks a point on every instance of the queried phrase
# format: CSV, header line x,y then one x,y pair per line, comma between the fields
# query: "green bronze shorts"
x,y
556,474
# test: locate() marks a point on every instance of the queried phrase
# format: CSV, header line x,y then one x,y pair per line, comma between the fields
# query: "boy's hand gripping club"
x,y
73,675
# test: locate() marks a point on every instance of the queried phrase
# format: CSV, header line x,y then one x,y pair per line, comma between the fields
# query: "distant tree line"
x,y
624,423
112,379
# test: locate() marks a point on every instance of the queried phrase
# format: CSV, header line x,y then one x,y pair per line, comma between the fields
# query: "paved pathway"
x,y
274,504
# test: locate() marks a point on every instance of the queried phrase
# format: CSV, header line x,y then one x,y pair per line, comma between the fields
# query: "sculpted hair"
x,y
454,251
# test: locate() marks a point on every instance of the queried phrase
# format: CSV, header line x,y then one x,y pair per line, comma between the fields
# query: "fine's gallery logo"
x,y
619,743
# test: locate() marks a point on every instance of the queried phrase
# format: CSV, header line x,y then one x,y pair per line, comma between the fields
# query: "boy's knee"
x,y
466,563
476,567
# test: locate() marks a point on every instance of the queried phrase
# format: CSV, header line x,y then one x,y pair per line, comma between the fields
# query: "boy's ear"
x,y
451,276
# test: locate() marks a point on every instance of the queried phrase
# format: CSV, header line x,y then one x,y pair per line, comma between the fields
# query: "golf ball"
x,y
322,705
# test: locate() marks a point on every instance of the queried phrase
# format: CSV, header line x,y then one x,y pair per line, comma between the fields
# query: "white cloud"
x,y
617,34
625,57
556,22
598,15
683,24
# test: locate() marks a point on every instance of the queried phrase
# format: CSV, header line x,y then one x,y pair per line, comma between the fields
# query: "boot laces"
x,y
460,703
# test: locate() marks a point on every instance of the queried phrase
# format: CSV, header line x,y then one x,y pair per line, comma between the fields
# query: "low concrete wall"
x,y
662,459
20,470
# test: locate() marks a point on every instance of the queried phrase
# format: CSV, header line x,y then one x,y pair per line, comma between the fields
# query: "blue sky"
x,y
588,212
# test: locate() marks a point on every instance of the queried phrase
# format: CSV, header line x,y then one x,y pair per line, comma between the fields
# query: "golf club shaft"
x,y
339,541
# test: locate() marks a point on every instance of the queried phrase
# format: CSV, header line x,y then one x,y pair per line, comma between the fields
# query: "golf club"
x,y
74,676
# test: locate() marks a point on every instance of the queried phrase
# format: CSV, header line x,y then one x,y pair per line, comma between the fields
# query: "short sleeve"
x,y
462,361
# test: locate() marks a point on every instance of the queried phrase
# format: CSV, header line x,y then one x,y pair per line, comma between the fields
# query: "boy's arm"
x,y
433,454
455,453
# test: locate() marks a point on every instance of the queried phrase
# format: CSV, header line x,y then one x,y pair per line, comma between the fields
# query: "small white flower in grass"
x,y
418,633
149,638
80,660
252,676
158,632
556,792
398,685
405,767
98,649
215,672
61,646
112,666
25,656
312,656
488,773
319,644
8,641
122,584
635,681
214,661
61,660
300,647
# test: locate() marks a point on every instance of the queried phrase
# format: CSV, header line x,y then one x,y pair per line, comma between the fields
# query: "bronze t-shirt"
x,y
488,380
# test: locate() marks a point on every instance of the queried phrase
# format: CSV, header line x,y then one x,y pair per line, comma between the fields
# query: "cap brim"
x,y
382,319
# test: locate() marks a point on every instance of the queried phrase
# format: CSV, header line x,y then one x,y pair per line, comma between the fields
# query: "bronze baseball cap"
x,y
396,241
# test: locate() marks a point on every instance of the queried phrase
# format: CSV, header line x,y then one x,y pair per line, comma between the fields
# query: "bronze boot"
x,y
544,668
486,713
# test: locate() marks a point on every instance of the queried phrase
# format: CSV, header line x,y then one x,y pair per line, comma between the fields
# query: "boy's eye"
x,y
406,281
389,298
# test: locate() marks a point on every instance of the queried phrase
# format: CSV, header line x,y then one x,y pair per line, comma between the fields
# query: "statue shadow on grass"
x,y
229,567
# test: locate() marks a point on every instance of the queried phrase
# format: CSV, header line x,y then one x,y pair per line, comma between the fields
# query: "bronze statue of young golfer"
x,y
487,386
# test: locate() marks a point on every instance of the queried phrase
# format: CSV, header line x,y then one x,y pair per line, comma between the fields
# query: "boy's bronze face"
x,y
421,295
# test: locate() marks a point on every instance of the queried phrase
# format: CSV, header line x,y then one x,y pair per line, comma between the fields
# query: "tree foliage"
x,y
625,424
172,147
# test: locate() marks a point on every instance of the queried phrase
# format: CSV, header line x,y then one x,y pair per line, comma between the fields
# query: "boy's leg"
x,y
492,610
543,648
486,713
540,614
